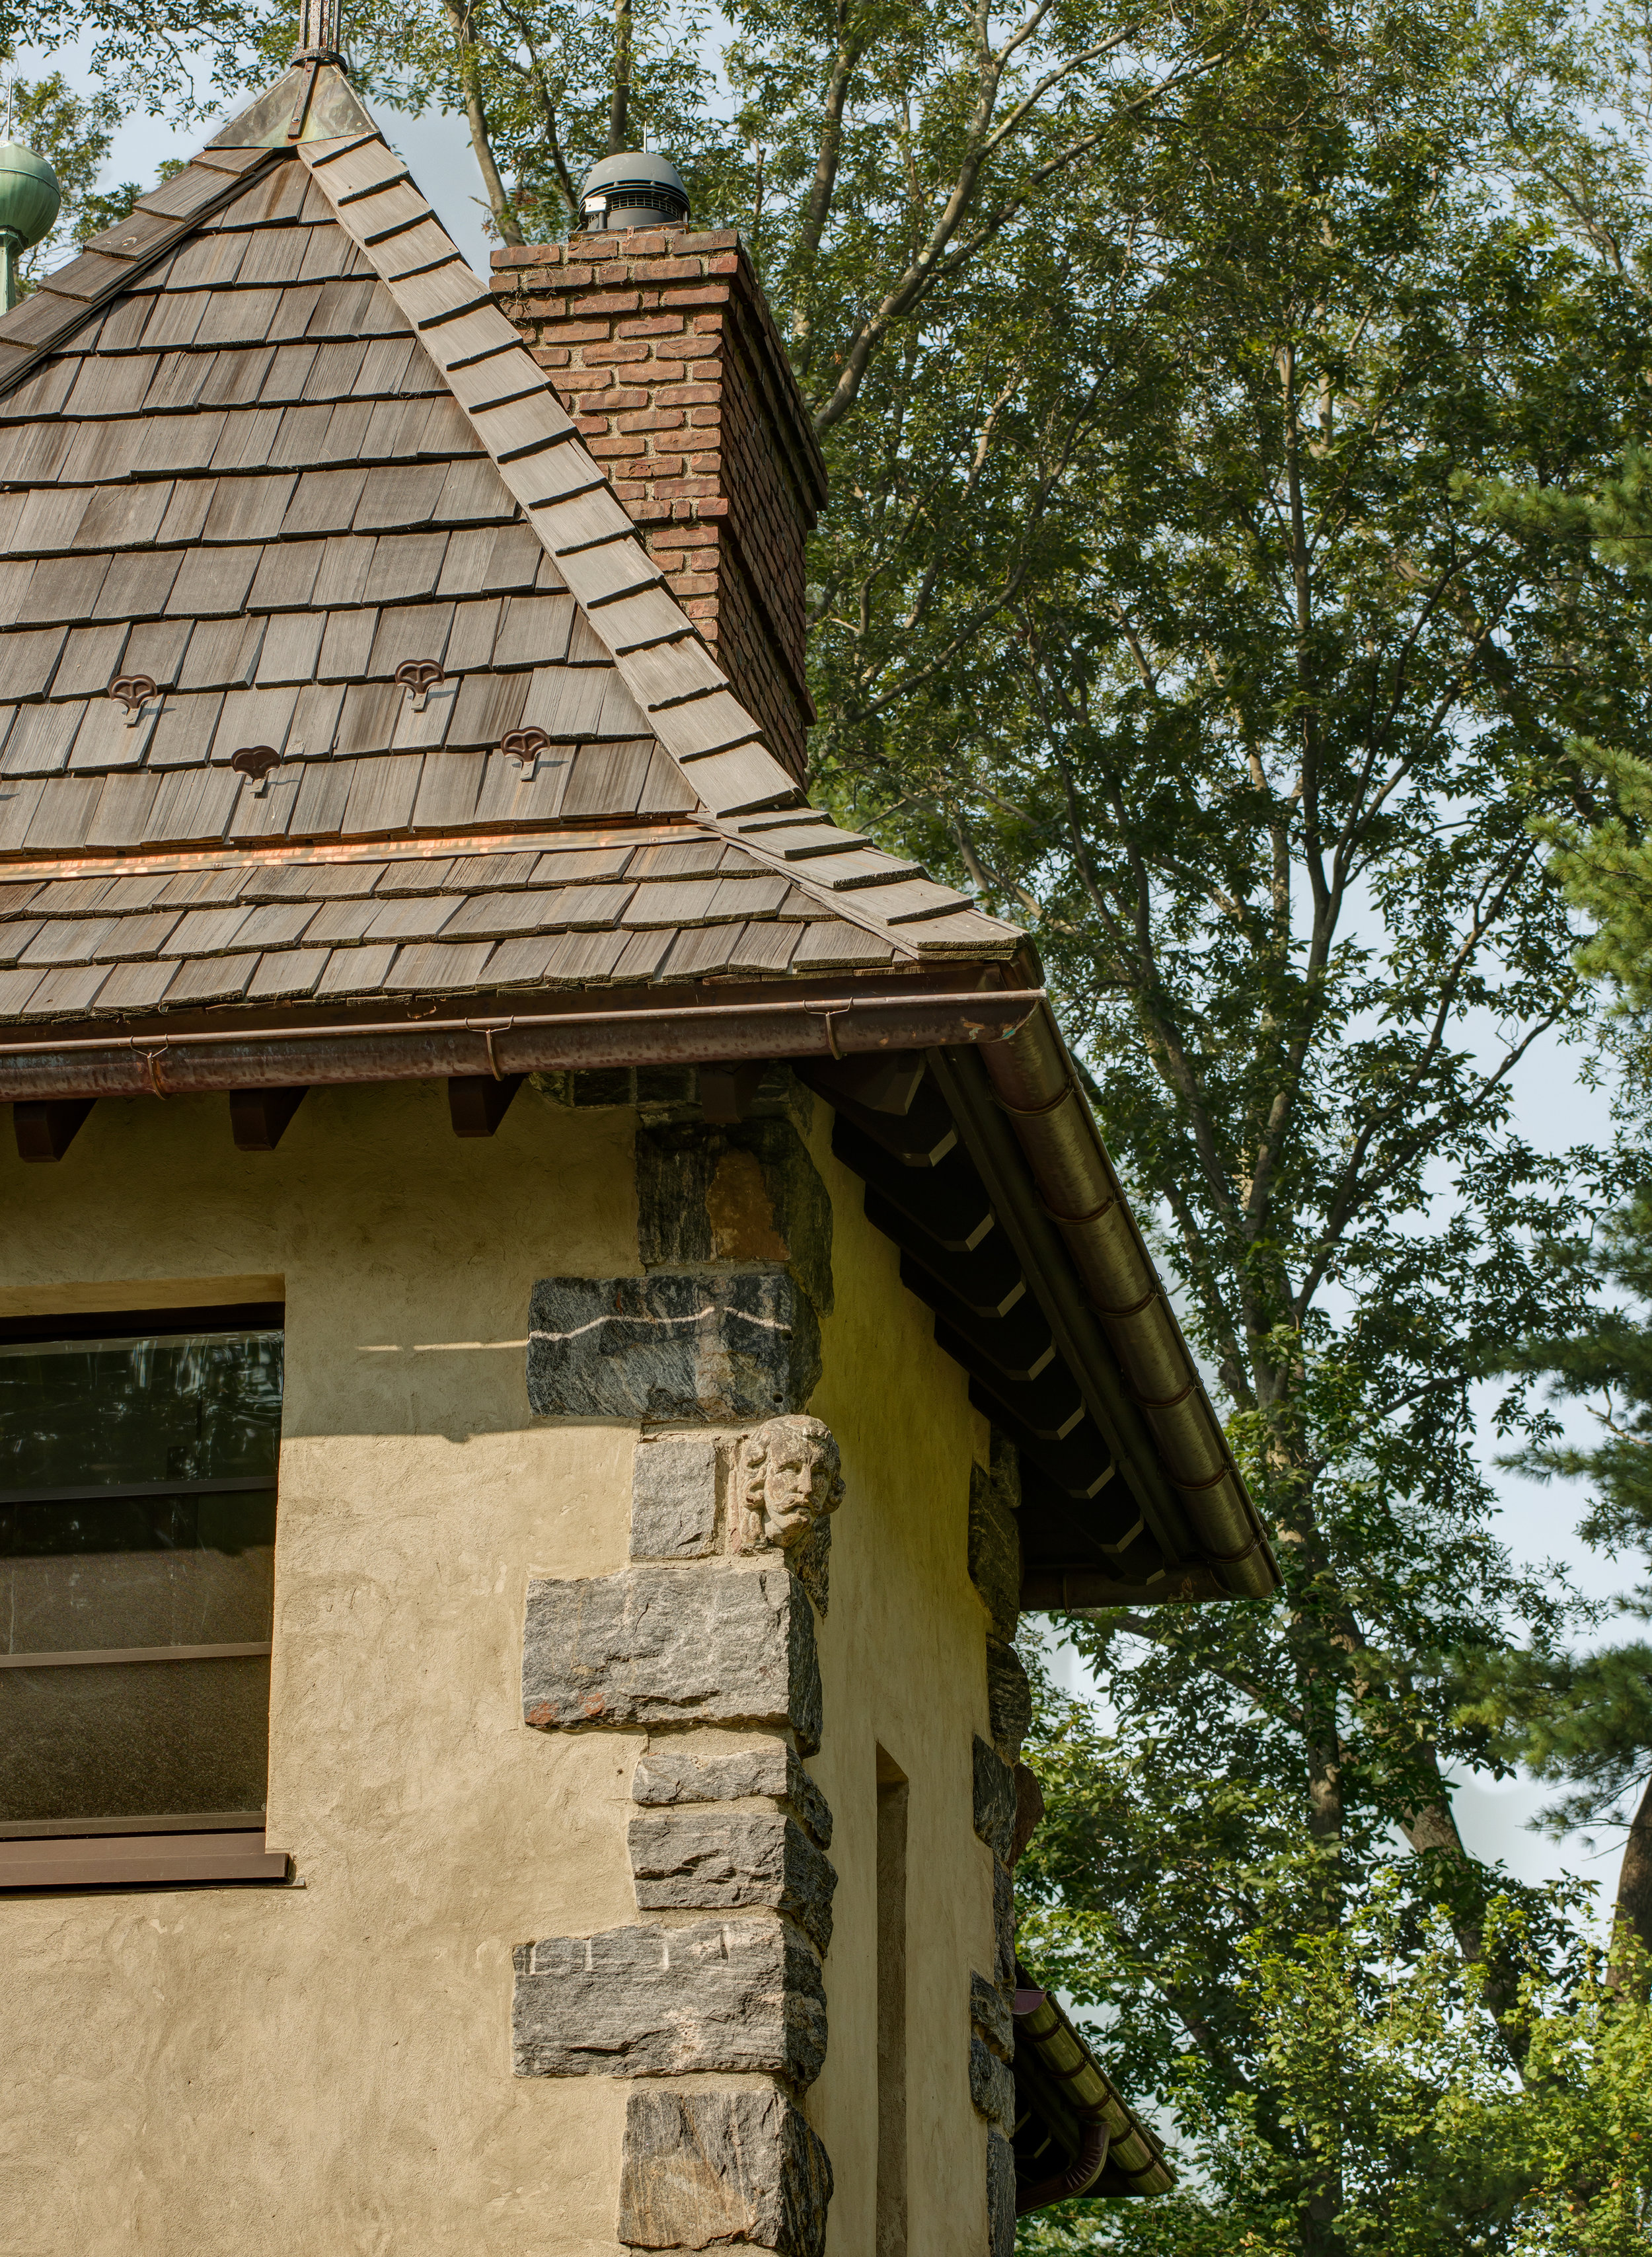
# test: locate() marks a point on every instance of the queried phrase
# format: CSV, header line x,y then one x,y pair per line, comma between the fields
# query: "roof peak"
x,y
312,101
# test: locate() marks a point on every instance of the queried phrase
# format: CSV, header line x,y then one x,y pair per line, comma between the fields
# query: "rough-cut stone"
x,y
673,1497
811,1564
727,1347
715,1861
990,2016
710,1644
744,1194
1004,1927
1029,1811
995,1537
702,2170
994,1802
667,1774
1009,1698
653,2001
1000,2195
992,2087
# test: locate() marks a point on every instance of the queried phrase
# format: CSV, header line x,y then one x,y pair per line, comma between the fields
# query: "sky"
x,y
1552,1107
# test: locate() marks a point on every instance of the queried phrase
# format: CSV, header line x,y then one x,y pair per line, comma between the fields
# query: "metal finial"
x,y
319,29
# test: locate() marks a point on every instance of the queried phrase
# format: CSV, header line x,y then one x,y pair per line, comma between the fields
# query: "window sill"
x,y
138,1860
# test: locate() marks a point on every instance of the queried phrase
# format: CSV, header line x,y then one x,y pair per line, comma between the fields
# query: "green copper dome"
x,y
29,200
29,195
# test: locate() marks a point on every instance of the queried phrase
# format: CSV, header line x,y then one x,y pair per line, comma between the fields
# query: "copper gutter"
x,y
162,1065
1036,1089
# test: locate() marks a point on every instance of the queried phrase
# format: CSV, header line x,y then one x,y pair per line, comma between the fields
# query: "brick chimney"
x,y
662,345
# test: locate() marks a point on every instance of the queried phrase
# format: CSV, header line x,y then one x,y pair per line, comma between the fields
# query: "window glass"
x,y
137,1558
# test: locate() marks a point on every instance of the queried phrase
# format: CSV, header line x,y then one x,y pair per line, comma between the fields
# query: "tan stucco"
x,y
903,1663
326,2070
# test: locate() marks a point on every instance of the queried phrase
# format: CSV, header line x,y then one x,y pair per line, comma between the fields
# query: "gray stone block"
x,y
992,2087
1000,2195
653,2001
673,1497
726,1347
995,1538
1029,1811
990,2016
742,1194
1004,1927
702,2170
994,1802
667,1774
716,1861
712,1643
1009,1698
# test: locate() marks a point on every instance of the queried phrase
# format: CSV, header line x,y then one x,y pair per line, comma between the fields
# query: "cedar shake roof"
x,y
263,444
346,725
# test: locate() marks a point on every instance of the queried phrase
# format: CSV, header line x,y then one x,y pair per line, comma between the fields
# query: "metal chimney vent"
x,y
635,189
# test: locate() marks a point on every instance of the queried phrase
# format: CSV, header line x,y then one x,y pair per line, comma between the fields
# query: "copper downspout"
x,y
160,1065
1090,2163
1033,1078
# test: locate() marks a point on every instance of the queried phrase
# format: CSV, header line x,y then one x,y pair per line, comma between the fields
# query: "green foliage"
x,y
1353,2082
73,133
1587,1719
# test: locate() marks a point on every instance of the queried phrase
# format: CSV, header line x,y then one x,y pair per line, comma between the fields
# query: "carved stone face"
x,y
789,1479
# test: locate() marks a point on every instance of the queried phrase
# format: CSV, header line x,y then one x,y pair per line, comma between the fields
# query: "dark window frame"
x,y
206,1848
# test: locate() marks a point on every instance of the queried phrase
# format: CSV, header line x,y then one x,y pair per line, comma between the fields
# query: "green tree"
x,y
74,133
1586,1718
1172,619
1366,2054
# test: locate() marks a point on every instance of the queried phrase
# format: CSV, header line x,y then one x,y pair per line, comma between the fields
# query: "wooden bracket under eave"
x,y
477,1102
259,1117
46,1126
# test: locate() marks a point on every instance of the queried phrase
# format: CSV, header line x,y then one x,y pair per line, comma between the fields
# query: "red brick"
x,y
706,419
668,270
549,357
624,350
652,325
683,487
606,302
655,419
707,294
688,395
582,333
614,445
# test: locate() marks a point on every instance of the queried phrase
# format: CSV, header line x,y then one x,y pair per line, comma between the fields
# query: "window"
x,y
137,1491
892,2008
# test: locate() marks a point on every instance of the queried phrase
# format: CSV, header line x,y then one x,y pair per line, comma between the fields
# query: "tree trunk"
x,y
1634,1908
481,137
619,103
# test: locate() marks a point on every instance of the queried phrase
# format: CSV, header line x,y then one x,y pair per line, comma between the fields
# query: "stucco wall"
x,y
903,1665
326,2070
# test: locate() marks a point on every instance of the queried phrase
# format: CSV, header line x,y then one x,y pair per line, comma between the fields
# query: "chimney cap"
x,y
636,188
